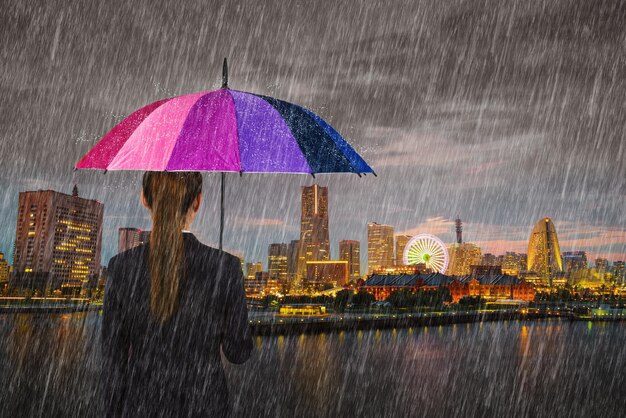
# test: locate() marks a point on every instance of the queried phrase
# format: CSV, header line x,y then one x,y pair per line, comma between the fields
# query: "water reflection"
x,y
49,367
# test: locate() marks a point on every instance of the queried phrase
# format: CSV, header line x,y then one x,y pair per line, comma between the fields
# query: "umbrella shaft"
x,y
222,175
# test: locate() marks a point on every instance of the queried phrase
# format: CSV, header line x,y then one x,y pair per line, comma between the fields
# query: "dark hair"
x,y
169,196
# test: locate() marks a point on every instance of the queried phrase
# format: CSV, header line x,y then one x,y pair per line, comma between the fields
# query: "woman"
x,y
169,306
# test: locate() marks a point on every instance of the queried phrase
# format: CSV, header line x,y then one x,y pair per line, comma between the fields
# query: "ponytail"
x,y
169,196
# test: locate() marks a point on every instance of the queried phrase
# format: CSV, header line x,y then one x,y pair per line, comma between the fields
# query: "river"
x,y
49,366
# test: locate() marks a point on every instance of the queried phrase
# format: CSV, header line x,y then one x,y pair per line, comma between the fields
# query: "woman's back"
x,y
173,367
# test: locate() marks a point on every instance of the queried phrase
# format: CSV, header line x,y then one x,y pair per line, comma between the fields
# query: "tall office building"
x,y
462,257
4,270
277,261
574,261
379,246
292,259
350,251
314,236
57,240
131,237
544,254
401,242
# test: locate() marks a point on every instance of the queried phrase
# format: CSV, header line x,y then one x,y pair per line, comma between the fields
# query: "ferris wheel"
x,y
429,250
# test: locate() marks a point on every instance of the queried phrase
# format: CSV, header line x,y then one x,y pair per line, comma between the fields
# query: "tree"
x,y
341,300
403,298
363,299
473,301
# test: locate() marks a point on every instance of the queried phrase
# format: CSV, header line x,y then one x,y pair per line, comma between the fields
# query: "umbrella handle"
x,y
222,176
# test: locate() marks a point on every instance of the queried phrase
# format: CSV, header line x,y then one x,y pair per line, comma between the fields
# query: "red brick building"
x,y
490,287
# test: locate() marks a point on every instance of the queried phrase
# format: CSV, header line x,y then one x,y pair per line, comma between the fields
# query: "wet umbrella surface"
x,y
498,112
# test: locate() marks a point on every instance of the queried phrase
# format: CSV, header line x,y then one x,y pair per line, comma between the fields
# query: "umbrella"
x,y
225,131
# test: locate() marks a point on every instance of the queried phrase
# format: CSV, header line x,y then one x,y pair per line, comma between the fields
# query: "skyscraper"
x,y
292,259
350,251
314,236
544,254
131,237
57,240
401,242
277,261
379,246
462,257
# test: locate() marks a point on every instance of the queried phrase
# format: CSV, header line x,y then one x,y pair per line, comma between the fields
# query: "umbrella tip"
x,y
225,74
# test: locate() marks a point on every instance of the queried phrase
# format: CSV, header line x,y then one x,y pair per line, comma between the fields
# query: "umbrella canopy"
x,y
225,130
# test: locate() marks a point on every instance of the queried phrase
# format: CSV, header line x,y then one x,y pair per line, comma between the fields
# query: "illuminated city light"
x,y
429,250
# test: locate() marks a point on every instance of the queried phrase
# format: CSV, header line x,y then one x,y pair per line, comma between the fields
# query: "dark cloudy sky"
x,y
499,112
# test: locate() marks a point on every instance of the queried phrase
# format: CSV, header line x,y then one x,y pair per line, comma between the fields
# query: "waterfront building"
x,y
260,284
333,272
602,265
253,268
462,257
574,261
4,270
382,285
350,251
57,240
277,261
493,287
401,242
544,254
489,287
314,242
379,246
130,238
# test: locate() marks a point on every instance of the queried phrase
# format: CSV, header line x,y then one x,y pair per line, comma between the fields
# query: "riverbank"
x,y
269,323
329,323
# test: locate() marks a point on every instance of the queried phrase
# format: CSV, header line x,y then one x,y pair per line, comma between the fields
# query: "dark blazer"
x,y
173,368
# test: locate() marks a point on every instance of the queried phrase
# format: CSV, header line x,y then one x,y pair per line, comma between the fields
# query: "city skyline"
x,y
530,125
438,226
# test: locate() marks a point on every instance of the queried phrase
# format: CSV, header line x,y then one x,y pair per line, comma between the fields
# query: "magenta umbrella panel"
x,y
225,130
